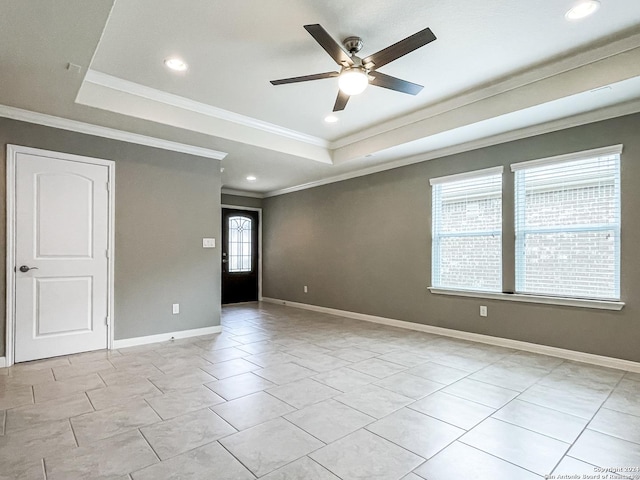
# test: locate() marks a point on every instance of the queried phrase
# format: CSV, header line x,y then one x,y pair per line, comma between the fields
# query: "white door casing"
x,y
61,229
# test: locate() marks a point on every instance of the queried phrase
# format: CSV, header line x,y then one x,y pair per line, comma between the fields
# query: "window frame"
x,y
519,217
241,257
436,236
506,294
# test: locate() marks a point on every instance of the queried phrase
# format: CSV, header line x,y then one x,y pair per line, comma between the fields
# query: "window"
x,y
567,223
467,231
240,244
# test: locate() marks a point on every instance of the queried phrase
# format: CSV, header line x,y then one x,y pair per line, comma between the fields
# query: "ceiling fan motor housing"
x,y
353,44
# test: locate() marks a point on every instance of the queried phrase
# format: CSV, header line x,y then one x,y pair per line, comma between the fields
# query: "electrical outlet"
x,y
305,289
483,311
176,308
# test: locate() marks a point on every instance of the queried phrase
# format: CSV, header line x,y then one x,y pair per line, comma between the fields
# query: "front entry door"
x,y
239,255
61,256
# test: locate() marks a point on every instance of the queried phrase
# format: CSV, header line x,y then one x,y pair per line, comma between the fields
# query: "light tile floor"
x,y
285,393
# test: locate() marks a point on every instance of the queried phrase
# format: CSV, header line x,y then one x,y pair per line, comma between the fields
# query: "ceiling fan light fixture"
x,y
353,81
582,9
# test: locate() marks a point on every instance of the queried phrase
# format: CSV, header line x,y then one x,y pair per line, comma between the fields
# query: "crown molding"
x,y
606,113
520,79
241,193
106,132
119,84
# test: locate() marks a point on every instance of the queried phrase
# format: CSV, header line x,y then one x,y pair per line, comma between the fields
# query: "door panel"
x,y
62,237
54,315
240,251
73,195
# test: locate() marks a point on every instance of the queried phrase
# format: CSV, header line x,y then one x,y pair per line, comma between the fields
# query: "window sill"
x,y
518,297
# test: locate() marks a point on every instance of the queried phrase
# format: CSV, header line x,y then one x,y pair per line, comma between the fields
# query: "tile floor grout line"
x,y
429,379
534,431
86,394
369,415
231,453
474,401
500,458
586,427
139,429
525,428
537,383
588,420
548,408
324,444
284,401
618,411
323,467
405,448
102,378
75,437
162,419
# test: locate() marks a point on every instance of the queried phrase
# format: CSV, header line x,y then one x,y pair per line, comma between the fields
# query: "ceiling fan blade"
x,y
401,48
393,83
341,101
305,78
332,47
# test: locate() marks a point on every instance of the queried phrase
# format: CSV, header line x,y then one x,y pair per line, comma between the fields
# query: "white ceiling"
x,y
496,67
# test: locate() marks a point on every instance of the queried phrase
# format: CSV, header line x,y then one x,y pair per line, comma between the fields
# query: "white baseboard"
x,y
474,337
3,362
165,337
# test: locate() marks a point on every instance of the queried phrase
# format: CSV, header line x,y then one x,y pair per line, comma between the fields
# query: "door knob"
x,y
25,269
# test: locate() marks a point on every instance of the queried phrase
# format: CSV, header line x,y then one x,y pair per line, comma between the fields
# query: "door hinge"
x,y
106,253
108,186
106,321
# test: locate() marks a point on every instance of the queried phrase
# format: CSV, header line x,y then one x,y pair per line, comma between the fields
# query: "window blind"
x,y
567,222
467,231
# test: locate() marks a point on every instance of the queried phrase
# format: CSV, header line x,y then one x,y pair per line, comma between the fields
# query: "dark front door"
x,y
239,256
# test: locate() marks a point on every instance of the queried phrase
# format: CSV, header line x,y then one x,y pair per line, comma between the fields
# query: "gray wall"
x,y
364,245
239,201
165,203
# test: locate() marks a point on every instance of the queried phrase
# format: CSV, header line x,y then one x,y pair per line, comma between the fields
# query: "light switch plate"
x,y
208,243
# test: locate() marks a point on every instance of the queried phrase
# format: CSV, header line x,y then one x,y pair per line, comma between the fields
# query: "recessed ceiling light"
x,y
582,9
251,178
176,64
331,119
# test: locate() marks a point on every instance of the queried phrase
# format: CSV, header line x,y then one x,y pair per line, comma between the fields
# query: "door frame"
x,y
250,209
12,152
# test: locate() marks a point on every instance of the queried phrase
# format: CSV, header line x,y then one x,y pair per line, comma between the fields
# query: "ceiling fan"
x,y
355,72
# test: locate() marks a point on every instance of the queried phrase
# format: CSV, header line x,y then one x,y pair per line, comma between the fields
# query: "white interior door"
x,y
61,256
